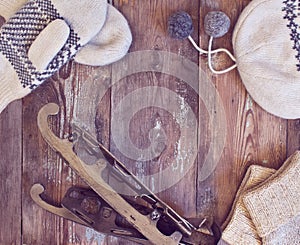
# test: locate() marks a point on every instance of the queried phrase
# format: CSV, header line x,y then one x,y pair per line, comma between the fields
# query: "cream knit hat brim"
x,y
268,56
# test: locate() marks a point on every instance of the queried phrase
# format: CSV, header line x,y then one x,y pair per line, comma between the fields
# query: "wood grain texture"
x,y
249,140
87,97
293,136
75,89
156,38
11,174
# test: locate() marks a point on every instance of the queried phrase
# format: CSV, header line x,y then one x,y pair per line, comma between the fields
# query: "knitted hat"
x,y
267,51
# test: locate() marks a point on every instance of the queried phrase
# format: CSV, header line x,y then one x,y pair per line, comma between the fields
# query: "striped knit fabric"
x,y
21,30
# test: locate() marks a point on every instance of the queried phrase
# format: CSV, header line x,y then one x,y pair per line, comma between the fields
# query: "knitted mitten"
x,y
109,45
41,37
274,205
238,229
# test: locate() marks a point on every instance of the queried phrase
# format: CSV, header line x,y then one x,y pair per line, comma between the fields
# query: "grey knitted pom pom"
x,y
180,25
216,24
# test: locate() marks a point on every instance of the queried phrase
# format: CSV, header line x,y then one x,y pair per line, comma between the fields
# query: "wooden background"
x,y
253,135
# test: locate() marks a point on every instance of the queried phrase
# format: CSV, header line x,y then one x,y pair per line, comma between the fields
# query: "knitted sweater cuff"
x,y
276,201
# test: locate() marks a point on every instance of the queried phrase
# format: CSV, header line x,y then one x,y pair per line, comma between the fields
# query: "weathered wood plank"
x,y
85,97
40,165
76,89
11,171
253,135
208,196
293,136
146,89
249,140
10,174
90,84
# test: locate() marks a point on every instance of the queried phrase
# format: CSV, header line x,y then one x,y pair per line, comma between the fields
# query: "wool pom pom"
x,y
216,24
180,25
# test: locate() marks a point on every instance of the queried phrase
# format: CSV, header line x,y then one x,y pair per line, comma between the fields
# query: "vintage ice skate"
x,y
139,215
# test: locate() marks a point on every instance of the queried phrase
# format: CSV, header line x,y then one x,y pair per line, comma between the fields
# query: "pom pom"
x,y
180,25
216,24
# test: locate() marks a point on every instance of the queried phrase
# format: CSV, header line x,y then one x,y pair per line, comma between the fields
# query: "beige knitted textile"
x,y
40,38
274,206
238,229
267,207
109,45
267,52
